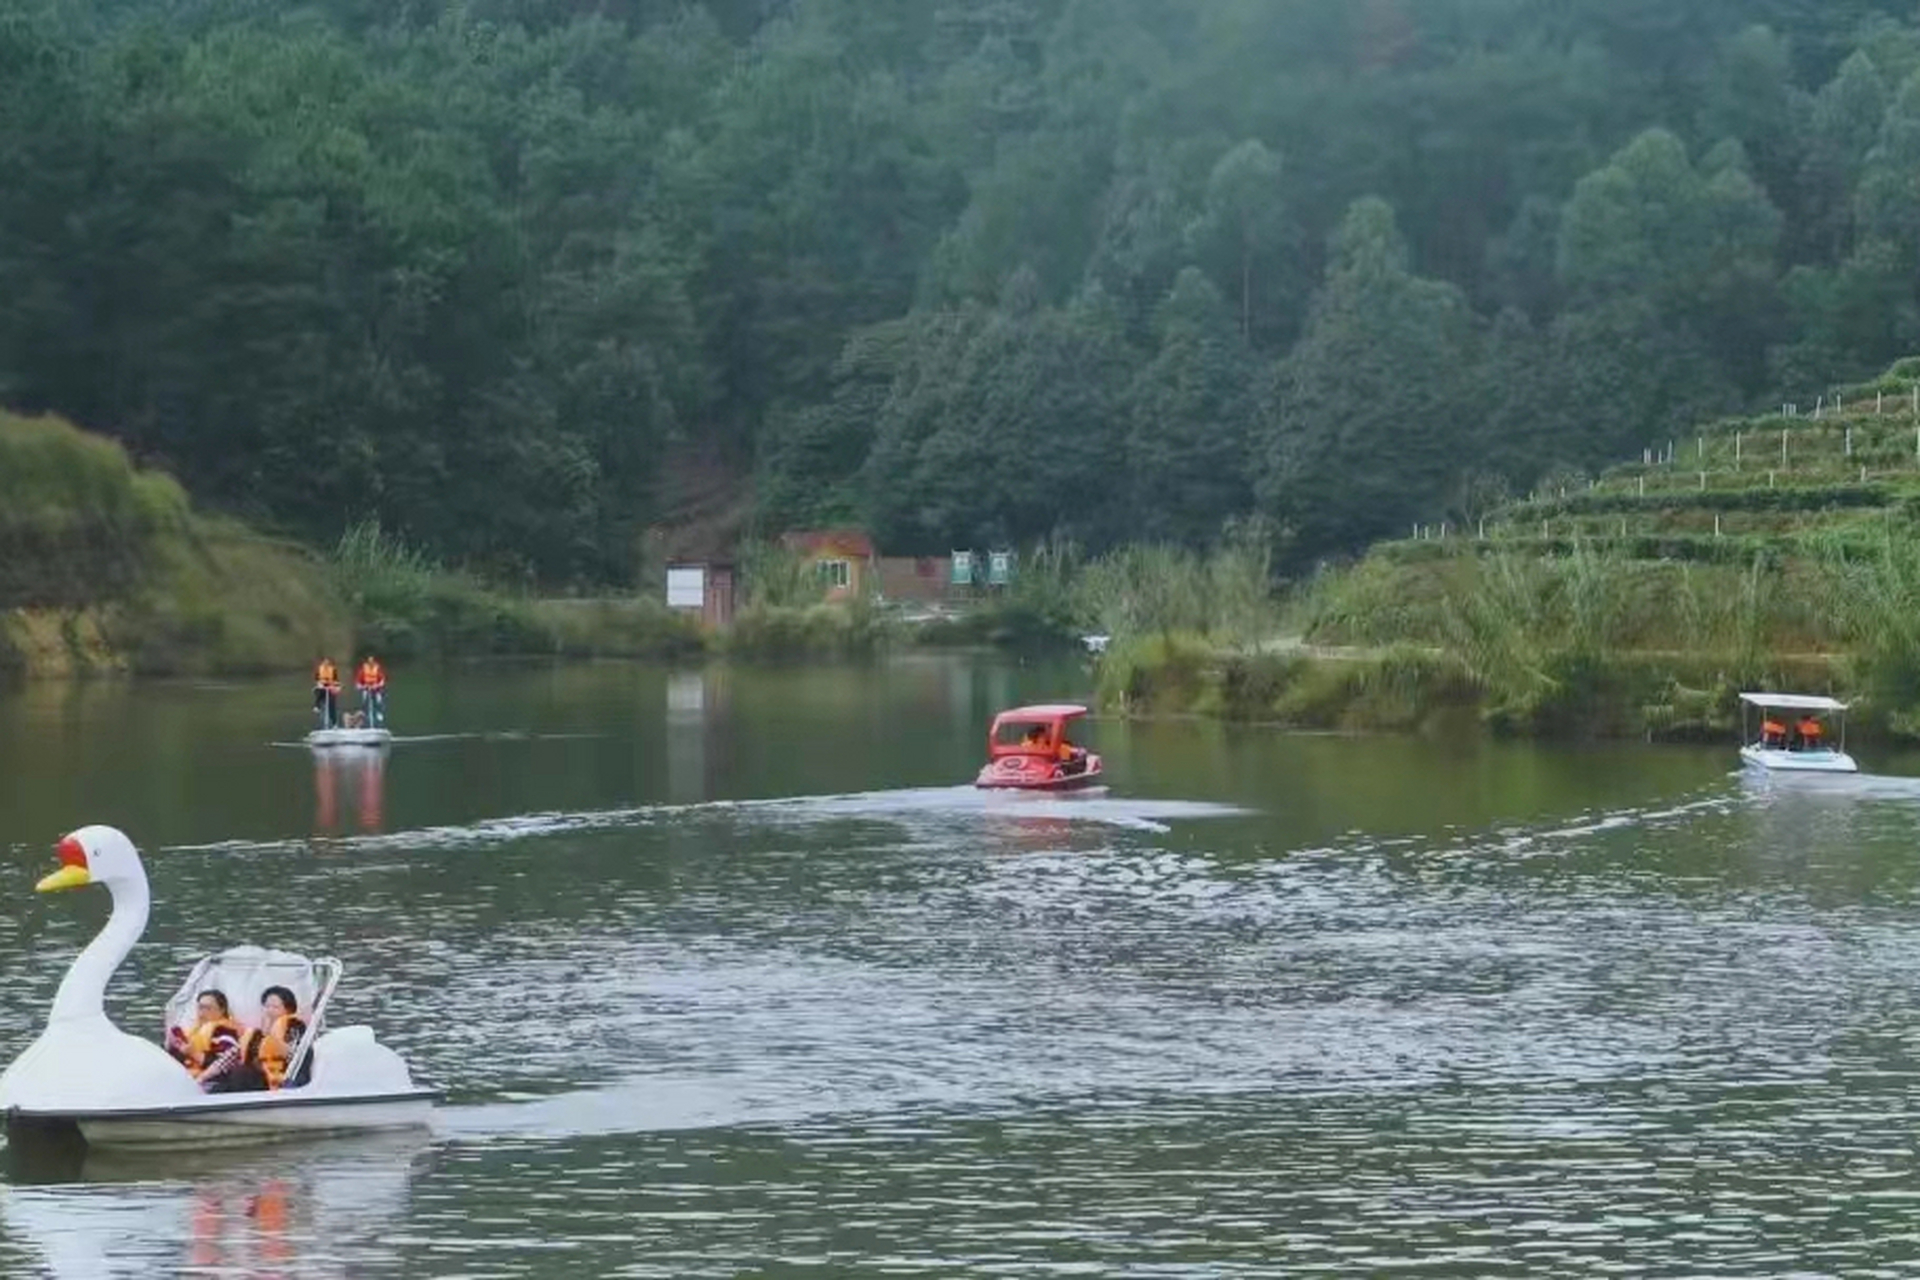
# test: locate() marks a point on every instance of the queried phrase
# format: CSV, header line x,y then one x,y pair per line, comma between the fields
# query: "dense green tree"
x,y
1370,403
480,267
1190,415
1845,122
1001,428
1695,244
1246,239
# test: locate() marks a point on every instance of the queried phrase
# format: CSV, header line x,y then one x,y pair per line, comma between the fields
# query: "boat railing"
x,y
329,970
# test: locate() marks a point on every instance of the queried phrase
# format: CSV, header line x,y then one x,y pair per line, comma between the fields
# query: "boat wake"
x,y
908,806
491,735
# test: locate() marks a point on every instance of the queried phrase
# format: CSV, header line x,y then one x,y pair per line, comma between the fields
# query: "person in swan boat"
x,y
215,1051
272,1046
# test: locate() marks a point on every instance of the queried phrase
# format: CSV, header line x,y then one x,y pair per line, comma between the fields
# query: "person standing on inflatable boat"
x,y
326,693
371,680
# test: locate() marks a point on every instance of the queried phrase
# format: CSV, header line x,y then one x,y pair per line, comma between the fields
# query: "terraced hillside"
x,y
1840,469
1778,550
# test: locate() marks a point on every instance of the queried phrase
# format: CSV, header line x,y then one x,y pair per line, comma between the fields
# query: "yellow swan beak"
x,y
64,878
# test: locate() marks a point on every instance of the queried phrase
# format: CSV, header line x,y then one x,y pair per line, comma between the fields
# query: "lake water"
x,y
728,973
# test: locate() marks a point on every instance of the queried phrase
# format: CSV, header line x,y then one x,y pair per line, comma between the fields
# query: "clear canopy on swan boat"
x,y
242,974
84,1074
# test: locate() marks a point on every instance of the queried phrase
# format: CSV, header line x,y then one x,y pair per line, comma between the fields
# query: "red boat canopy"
x,y
1051,716
1042,713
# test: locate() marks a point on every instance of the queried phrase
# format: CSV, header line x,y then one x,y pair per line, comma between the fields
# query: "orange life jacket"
x,y
370,676
1810,729
326,675
1773,729
272,1048
1065,751
208,1042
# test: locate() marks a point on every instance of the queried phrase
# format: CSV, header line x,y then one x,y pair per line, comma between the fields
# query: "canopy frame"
x,y
1815,704
313,982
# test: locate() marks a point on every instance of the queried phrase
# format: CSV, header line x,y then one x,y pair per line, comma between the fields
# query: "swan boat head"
x,y
82,1060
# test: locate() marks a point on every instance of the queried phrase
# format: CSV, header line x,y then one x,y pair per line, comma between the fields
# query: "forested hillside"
x,y
962,270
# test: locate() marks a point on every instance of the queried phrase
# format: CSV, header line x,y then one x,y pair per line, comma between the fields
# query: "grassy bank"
x,y
105,567
406,606
1778,552
1585,645
1771,552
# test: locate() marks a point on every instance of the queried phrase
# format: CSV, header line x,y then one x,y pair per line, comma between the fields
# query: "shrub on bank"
x,y
773,633
1162,672
407,606
79,525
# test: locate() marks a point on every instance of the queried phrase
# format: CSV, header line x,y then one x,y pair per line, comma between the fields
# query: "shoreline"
x,y
1659,697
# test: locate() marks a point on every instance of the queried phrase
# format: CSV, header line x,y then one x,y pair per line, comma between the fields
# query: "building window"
x,y
836,574
686,587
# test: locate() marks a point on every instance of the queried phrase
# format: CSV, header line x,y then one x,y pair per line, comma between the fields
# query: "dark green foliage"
x,y
1370,402
1191,412
964,271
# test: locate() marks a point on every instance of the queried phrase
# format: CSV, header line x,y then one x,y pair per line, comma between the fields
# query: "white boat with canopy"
x,y
1784,745
117,1090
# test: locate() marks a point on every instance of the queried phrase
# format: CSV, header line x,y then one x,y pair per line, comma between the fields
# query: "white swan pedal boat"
x,y
117,1090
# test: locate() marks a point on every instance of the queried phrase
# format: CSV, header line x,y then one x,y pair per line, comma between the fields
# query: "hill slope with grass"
x,y
106,567
1779,551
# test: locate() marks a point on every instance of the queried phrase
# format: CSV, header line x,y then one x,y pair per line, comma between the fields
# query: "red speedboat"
x,y
1028,750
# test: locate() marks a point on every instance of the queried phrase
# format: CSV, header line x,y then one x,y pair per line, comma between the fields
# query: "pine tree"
x,y
1372,413
1191,411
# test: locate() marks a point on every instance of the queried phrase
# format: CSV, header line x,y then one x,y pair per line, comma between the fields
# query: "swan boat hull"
x,y
230,1119
349,738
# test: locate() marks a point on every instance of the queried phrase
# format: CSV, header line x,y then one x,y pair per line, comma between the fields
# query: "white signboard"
x,y
687,588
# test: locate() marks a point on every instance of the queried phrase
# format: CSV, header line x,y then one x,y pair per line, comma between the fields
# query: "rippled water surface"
x,y
723,973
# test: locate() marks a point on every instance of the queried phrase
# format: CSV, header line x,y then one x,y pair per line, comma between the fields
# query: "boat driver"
x,y
214,1051
1773,733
